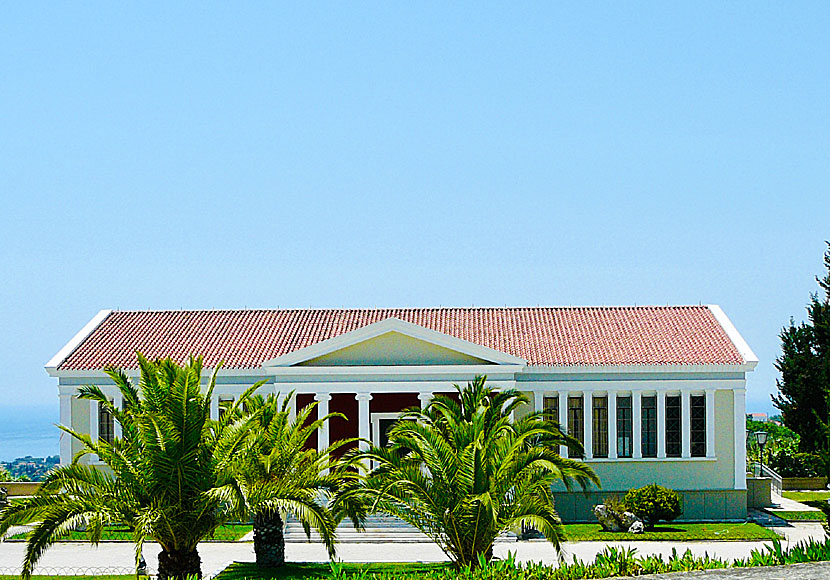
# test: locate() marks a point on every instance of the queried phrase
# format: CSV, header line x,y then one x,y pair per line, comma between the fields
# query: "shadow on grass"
x,y
655,529
313,570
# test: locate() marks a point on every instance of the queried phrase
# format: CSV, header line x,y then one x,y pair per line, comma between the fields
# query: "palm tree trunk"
x,y
269,539
178,565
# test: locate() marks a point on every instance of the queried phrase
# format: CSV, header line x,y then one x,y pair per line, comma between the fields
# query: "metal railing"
x,y
76,571
766,471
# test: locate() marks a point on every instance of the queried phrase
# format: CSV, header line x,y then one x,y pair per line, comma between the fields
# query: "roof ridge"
x,y
422,308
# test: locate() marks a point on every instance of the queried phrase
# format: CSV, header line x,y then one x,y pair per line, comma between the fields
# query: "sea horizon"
x,y
28,430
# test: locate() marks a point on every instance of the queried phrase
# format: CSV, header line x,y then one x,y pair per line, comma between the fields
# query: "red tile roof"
x,y
640,335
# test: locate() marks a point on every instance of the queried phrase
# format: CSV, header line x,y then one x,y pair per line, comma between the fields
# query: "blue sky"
x,y
360,155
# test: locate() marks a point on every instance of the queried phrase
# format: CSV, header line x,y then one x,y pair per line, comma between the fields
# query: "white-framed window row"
x,y
636,425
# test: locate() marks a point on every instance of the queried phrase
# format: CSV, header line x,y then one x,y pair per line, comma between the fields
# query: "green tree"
x,y
464,472
168,478
804,364
278,472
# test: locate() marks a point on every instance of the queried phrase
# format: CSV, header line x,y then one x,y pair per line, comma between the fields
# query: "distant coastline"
x,y
28,430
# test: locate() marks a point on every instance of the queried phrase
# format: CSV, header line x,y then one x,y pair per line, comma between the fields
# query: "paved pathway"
x,y
215,556
782,503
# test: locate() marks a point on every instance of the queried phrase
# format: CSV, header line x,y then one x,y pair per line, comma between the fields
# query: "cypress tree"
x,y
804,364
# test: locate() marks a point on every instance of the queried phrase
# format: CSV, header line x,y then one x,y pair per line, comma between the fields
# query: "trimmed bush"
x,y
654,503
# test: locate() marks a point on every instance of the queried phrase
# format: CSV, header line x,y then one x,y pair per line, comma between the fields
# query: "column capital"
x,y
363,396
425,396
322,396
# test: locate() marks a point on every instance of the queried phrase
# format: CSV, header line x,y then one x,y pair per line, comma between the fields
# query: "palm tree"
x,y
464,472
278,473
167,473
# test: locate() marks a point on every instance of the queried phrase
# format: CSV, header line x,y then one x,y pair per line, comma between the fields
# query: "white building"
x,y
656,394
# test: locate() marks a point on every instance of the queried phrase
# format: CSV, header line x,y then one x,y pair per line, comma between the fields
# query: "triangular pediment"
x,y
392,349
393,342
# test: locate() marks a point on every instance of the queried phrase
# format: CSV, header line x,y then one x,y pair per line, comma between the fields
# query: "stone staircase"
x,y
379,529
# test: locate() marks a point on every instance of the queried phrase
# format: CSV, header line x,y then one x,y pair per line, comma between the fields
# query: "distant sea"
x,y
28,431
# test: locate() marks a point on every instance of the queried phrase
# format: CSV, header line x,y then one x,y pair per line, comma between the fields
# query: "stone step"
x,y
377,529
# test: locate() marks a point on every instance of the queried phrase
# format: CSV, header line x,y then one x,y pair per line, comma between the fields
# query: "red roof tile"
x,y
686,335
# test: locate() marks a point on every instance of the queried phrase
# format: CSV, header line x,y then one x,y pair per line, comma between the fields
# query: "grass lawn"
x,y
676,532
805,496
313,570
226,533
801,516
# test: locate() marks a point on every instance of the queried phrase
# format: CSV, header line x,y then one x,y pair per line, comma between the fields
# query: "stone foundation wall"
x,y
758,492
698,505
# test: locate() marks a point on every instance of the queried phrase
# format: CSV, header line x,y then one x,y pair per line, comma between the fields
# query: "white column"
x,y
424,398
685,424
322,410
118,403
93,421
739,412
588,420
538,401
66,421
363,419
710,423
563,419
661,424
637,424
292,407
612,424
214,406
93,427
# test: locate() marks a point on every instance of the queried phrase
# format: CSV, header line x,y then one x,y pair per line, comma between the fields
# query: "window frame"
x,y
106,423
625,427
674,426
576,417
697,448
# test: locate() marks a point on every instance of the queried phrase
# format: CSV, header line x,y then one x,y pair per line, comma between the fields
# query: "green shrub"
x,y
653,503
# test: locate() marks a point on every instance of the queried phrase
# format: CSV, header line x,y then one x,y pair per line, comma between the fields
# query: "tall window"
x,y
649,426
624,427
550,406
576,422
106,424
673,426
225,404
599,427
698,425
